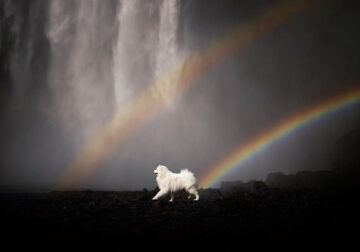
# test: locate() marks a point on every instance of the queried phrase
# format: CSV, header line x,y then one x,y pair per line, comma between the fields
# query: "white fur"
x,y
172,182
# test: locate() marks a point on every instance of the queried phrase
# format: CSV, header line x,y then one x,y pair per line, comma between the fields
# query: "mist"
x,y
67,66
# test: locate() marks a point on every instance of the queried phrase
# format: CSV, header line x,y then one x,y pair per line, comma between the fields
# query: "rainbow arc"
x,y
237,158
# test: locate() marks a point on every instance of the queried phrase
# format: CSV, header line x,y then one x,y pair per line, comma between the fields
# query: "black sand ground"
x,y
261,218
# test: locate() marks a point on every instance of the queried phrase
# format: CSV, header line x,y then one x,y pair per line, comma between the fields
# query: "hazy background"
x,y
67,66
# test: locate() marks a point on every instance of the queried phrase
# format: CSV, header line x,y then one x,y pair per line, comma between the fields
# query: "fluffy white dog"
x,y
172,182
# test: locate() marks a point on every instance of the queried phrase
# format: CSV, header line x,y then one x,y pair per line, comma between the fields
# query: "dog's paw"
x,y
154,198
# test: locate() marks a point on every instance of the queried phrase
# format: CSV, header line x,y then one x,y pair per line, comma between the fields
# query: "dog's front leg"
x,y
159,194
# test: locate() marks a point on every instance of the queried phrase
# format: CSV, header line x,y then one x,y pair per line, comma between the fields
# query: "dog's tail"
x,y
190,177
186,171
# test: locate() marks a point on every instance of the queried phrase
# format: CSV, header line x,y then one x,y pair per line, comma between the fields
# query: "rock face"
x,y
302,217
346,161
239,186
302,179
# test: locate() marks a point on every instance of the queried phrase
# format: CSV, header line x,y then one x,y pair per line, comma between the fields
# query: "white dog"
x,y
172,182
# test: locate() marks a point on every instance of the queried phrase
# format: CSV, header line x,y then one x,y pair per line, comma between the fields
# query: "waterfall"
x,y
81,36
125,49
146,45
167,52
26,64
103,52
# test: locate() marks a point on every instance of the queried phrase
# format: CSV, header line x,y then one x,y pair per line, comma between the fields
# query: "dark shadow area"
x,y
253,215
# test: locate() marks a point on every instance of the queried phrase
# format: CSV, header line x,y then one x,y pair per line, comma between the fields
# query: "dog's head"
x,y
160,170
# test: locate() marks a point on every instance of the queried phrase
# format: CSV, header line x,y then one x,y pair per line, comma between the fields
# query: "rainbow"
x,y
243,153
146,104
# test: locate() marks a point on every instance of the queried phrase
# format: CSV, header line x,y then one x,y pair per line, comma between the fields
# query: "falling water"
x,y
146,45
125,56
103,52
80,34
167,53
26,64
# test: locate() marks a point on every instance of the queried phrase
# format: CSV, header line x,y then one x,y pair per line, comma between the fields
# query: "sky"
x,y
67,68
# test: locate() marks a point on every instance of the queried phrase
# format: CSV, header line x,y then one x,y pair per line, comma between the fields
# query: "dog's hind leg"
x,y
171,197
193,191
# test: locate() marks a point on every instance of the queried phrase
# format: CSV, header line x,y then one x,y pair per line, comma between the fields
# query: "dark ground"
x,y
262,217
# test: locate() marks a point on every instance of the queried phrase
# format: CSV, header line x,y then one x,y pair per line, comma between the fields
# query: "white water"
x,y
146,45
103,52
167,52
80,34
127,37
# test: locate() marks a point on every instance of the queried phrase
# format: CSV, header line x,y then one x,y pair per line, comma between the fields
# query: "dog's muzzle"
x,y
155,171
